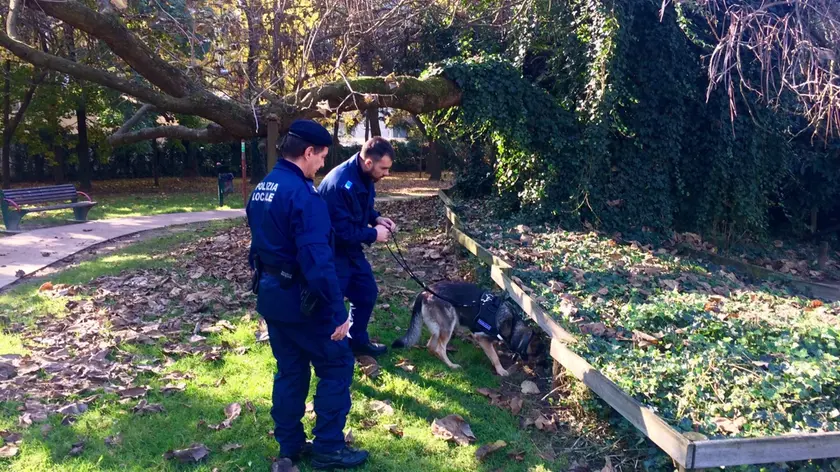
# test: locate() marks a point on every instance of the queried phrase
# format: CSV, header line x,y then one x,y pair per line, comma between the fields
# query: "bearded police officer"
x,y
299,297
349,192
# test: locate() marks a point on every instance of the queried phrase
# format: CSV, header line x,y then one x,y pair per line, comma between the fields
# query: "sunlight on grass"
x,y
431,391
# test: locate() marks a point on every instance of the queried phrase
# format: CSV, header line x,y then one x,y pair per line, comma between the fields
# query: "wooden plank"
x,y
663,435
446,199
531,307
744,451
828,292
478,250
452,217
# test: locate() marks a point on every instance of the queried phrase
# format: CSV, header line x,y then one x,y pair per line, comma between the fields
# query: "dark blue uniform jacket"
x,y
350,196
290,223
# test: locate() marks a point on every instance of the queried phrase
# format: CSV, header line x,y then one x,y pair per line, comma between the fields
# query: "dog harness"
x,y
485,320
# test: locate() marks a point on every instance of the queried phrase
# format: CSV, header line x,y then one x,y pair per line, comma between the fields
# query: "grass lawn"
x,y
139,197
169,289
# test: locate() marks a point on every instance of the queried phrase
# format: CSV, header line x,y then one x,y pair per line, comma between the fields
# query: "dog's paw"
x,y
502,372
455,366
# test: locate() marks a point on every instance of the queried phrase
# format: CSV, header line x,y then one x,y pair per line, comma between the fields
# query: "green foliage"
x,y
620,132
527,132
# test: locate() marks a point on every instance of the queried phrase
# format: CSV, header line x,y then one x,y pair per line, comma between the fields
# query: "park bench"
x,y
63,197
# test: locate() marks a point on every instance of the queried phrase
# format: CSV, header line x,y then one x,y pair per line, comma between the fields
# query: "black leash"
x,y
401,261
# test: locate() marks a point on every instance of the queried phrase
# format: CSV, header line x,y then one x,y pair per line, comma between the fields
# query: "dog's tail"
x,y
415,327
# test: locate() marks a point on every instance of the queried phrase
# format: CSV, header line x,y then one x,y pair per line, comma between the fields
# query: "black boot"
x,y
305,450
345,458
370,349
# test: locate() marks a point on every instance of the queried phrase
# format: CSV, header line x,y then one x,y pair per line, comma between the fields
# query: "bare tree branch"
x,y
126,127
795,42
124,43
81,71
211,134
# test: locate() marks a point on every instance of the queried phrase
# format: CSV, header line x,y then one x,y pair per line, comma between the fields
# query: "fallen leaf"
x,y
133,392
232,412
516,405
9,450
172,388
368,366
486,449
595,329
145,408
395,430
231,447
728,425
578,466
453,428
73,409
604,291
284,465
404,365
530,388
194,453
368,423
77,449
815,304
115,440
545,423
518,456
45,286
383,408
548,455
348,437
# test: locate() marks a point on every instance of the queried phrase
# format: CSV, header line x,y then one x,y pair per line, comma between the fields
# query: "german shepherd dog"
x,y
441,318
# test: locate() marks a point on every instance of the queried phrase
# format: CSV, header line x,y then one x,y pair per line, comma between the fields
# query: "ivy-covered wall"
x,y
621,133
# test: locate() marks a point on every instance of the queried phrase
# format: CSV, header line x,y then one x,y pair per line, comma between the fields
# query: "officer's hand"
x,y
388,223
382,234
341,331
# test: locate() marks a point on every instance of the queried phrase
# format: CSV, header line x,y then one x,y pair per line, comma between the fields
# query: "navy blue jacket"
x,y
290,223
350,195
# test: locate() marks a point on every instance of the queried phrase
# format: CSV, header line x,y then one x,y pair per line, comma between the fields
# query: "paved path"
x,y
33,250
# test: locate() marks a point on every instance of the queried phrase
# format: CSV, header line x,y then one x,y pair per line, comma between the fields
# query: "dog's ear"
x,y
536,346
506,327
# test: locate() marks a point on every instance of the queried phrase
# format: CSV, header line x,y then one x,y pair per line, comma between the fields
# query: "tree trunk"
x,y
21,170
82,147
254,20
7,135
58,168
258,171
190,161
156,162
366,67
433,165
276,64
39,167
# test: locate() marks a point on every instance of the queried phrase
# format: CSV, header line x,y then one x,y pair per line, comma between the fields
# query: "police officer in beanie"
x,y
298,295
349,192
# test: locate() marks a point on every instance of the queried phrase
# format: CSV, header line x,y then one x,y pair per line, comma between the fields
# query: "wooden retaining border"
x,y
689,454
821,290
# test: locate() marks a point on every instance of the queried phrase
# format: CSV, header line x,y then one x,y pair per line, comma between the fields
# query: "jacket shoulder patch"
x,y
348,185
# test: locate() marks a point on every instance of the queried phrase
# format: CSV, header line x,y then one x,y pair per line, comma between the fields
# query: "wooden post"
x,y
271,141
244,180
556,373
